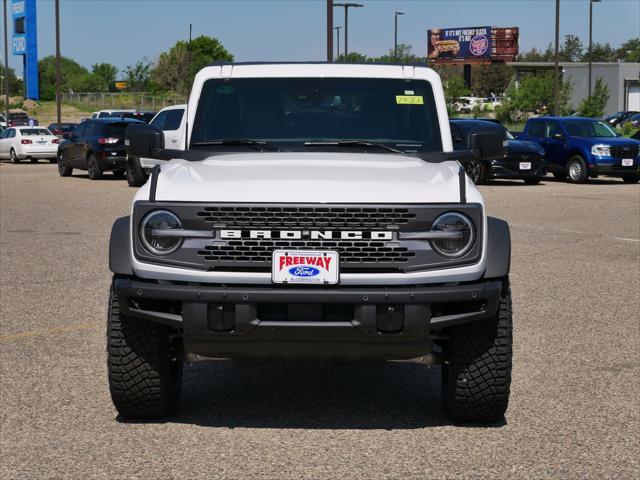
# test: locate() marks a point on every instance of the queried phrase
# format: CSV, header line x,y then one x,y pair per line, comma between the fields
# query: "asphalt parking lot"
x,y
575,404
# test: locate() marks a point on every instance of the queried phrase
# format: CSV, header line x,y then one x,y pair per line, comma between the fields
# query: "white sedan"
x,y
19,143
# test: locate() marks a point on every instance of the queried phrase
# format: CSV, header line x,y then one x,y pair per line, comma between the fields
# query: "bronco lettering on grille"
x,y
299,234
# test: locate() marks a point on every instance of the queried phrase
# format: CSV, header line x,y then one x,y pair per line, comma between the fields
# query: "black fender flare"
x,y
498,248
119,248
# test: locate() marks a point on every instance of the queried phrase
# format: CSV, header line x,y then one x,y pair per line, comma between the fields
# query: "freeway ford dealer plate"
x,y
627,162
306,267
525,165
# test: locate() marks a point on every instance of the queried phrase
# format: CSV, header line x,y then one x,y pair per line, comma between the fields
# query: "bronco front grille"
x,y
361,251
624,151
338,223
306,217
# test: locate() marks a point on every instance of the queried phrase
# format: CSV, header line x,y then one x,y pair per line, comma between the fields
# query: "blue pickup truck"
x,y
578,148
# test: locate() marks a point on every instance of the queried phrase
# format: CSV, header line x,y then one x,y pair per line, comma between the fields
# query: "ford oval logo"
x,y
304,271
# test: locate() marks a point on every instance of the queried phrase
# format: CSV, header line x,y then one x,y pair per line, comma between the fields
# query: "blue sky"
x,y
123,31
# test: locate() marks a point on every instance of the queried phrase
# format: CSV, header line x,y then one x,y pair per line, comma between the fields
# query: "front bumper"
x,y
236,321
510,169
614,168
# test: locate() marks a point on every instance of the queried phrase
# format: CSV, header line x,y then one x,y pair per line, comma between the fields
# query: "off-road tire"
x,y
476,171
477,376
577,170
63,169
145,370
532,181
13,156
93,169
631,178
135,174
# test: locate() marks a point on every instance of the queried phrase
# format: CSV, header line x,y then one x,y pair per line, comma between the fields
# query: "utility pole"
x,y
556,78
346,24
395,36
58,76
591,2
6,67
329,30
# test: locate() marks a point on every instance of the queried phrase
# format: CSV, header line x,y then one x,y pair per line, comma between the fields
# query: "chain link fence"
x,y
110,101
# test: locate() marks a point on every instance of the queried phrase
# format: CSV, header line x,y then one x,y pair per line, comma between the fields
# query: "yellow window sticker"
x,y
409,100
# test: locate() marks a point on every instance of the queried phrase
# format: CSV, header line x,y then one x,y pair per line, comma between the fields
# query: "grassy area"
x,y
45,113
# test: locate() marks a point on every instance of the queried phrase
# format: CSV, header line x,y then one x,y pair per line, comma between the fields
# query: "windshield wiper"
x,y
352,143
233,142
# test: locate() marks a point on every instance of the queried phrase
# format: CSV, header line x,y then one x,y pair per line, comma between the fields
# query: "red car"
x,y
63,130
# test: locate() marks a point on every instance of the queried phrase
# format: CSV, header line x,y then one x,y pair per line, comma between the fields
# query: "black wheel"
x,y
13,157
476,379
560,175
135,174
476,171
94,169
119,173
631,178
63,169
532,181
577,170
145,370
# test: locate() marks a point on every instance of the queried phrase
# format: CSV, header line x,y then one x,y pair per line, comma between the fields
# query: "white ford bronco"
x,y
311,210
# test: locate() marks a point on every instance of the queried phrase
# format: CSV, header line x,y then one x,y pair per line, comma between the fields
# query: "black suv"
x,y
97,146
524,160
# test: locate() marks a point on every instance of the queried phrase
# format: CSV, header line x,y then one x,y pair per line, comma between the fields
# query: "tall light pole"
x,y
337,29
556,77
346,23
329,30
58,76
395,36
6,67
591,2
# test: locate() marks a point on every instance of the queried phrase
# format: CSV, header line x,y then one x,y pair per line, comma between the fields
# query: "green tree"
x,y
535,94
15,86
70,70
593,106
601,52
571,49
535,55
404,56
89,82
106,73
454,88
629,51
353,57
138,75
171,71
490,79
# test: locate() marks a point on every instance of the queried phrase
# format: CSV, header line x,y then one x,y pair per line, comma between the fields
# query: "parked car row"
x,y
28,143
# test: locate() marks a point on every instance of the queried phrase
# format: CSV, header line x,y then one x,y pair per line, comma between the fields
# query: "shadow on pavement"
x,y
312,395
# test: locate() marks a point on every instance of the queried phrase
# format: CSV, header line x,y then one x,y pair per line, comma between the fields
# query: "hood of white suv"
x,y
310,177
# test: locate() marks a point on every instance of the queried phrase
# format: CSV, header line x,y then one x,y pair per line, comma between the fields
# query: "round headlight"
x,y
461,229
155,242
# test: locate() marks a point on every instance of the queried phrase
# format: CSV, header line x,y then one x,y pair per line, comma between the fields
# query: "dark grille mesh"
x,y
626,151
359,251
306,217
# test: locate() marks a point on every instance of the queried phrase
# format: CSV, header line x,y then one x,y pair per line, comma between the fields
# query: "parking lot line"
x,y
43,332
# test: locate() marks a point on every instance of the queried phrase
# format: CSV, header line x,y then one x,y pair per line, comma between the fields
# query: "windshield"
x,y
586,128
34,131
289,112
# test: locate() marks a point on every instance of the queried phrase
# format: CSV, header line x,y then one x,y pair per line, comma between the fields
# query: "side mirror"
x,y
488,142
558,136
143,140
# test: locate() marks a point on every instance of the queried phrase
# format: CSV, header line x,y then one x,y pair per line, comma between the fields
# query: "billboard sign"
x,y
24,42
451,44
